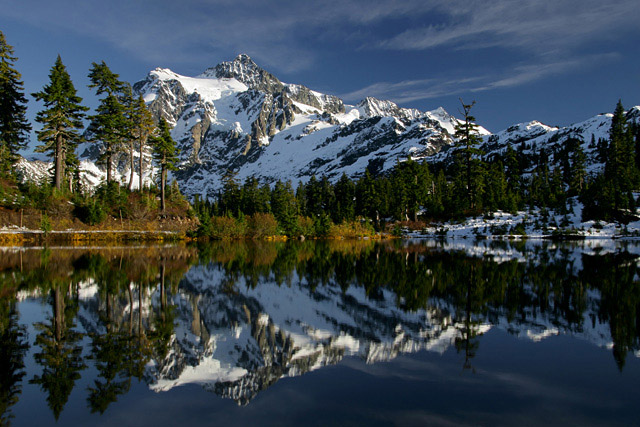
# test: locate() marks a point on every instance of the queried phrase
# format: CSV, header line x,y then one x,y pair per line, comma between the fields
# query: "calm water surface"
x,y
350,333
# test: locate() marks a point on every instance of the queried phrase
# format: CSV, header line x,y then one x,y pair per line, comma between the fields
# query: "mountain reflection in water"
x,y
236,317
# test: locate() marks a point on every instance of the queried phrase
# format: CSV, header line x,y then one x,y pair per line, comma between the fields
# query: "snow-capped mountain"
x,y
239,117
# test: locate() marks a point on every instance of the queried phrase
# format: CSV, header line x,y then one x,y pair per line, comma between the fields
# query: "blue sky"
x,y
557,61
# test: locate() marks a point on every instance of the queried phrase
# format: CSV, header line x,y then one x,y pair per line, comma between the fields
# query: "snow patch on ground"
x,y
535,223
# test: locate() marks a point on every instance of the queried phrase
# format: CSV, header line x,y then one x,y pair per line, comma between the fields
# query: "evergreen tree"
x,y
368,200
439,195
255,198
141,127
301,198
468,139
109,125
284,207
620,164
495,197
231,197
14,128
513,175
412,182
249,194
635,132
327,196
345,194
313,193
578,178
165,155
61,121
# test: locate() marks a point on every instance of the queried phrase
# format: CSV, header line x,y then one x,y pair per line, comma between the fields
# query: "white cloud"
x,y
413,90
541,26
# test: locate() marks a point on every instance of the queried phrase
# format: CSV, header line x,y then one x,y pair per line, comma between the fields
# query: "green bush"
x,y
113,198
322,225
306,226
260,225
519,230
45,224
38,196
141,205
225,227
90,212
352,229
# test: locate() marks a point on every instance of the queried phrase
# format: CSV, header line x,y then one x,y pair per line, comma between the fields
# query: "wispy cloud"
x,y
413,90
541,26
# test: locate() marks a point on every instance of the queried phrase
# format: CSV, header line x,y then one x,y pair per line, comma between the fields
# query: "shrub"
x,y
45,224
113,199
35,195
322,225
90,211
260,225
352,229
225,227
306,226
141,205
519,230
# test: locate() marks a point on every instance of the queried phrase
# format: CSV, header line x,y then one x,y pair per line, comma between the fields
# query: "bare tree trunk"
x,y
59,167
140,163
163,181
131,165
109,168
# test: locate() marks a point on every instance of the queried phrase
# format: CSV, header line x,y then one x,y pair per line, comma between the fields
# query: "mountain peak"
x,y
243,58
245,70
370,107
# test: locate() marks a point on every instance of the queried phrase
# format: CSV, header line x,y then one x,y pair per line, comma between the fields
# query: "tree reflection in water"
x,y
117,309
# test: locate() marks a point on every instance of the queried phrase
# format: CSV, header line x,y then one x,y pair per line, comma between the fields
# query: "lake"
x,y
322,332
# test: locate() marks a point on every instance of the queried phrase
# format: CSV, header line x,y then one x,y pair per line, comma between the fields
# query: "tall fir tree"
x,y
14,127
578,176
470,168
165,155
61,122
368,200
231,197
143,127
345,194
109,126
620,164
285,207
